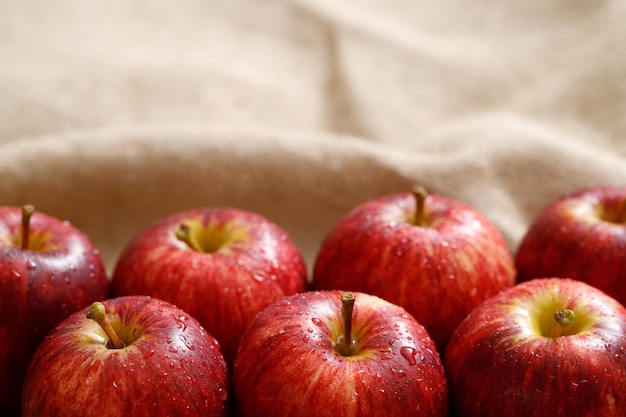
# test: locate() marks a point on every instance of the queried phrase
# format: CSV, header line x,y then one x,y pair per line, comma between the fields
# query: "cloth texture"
x,y
114,114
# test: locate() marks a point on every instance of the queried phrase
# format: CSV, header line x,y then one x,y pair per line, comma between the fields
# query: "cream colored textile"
x,y
116,113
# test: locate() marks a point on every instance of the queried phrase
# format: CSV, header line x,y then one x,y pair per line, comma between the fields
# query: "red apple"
x,y
547,347
327,353
128,356
221,265
580,235
435,256
48,270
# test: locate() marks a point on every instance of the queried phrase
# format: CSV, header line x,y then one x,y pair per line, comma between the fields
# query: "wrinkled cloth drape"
x,y
116,113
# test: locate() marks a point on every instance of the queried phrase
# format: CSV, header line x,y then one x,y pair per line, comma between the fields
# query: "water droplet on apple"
x,y
398,373
387,355
258,278
317,322
409,353
30,264
180,322
15,273
186,342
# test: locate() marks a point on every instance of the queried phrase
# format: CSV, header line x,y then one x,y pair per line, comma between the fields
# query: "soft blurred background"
x,y
113,114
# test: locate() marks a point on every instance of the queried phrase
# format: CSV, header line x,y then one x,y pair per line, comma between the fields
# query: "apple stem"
x,y
621,213
562,318
97,312
420,194
184,235
27,212
345,345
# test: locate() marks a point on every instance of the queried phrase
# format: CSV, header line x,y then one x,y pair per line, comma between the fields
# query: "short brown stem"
x,y
27,212
97,312
562,318
184,235
621,213
420,194
345,345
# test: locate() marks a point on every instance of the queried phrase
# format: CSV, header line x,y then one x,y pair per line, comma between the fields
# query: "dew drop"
x,y
398,373
183,339
409,353
387,354
30,264
180,322
317,322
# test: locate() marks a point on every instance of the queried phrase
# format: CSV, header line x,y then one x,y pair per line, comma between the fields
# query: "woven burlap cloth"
x,y
113,114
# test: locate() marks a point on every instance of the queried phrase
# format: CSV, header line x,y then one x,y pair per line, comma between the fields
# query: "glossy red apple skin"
x,y
60,273
173,368
223,290
500,362
438,272
579,235
287,365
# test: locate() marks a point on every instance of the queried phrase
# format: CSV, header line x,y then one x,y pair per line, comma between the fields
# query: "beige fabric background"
x,y
116,113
